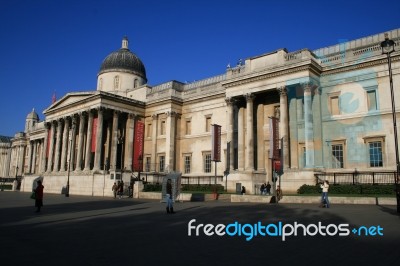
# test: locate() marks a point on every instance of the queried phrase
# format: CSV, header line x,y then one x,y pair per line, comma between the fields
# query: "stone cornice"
x,y
312,67
359,66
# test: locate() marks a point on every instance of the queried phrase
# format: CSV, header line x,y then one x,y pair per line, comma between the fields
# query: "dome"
x,y
123,60
33,115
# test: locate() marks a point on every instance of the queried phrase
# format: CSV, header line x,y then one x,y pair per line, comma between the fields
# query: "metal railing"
x,y
357,178
202,180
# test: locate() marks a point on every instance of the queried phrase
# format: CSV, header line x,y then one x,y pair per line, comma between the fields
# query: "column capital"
x,y
308,86
249,97
131,115
154,116
171,113
99,109
282,90
84,113
79,113
230,100
317,90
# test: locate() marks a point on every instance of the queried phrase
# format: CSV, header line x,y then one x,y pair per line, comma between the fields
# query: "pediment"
x,y
69,100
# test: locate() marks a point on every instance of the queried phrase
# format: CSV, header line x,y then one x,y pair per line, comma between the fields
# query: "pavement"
x,y
84,230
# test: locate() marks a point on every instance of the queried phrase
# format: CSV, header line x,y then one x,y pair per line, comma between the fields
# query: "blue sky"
x,y
52,46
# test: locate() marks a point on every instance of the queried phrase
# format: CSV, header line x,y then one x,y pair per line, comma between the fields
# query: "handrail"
x,y
358,177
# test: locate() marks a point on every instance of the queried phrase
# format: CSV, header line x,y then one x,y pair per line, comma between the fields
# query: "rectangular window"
x,y
208,124
187,164
337,156
375,154
302,155
148,130
371,95
148,164
207,163
162,129
162,164
188,127
300,109
334,101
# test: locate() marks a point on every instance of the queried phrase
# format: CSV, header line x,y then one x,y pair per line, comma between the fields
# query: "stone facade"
x,y
332,106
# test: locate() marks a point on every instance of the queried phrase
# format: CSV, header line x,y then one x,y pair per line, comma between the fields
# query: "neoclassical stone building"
x,y
333,106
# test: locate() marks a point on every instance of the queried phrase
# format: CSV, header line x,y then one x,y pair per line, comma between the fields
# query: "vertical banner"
x,y
94,134
216,143
48,143
138,146
273,138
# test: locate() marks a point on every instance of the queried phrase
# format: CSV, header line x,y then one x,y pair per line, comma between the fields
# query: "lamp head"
x,y
387,45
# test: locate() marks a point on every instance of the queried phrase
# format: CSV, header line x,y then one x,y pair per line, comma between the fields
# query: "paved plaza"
x,y
82,230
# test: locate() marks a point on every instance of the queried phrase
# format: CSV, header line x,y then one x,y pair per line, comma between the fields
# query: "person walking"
x,y
279,193
170,207
324,197
114,190
39,196
120,189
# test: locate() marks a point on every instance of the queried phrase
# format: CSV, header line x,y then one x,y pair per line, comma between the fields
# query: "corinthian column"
x,y
249,132
33,168
99,138
80,142
284,124
65,145
44,149
154,142
57,151
170,141
73,143
88,155
229,131
50,158
114,141
308,125
130,126
240,139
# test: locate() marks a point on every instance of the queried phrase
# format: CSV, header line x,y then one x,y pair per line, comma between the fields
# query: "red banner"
x,y
277,165
216,143
273,138
138,146
48,143
94,134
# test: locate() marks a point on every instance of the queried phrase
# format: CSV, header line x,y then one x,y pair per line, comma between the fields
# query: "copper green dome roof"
x,y
123,60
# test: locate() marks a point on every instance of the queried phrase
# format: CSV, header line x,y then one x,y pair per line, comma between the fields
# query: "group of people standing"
x,y
265,189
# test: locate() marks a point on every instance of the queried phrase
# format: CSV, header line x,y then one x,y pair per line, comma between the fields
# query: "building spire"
x,y
125,42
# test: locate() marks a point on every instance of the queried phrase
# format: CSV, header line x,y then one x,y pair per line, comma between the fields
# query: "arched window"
x,y
135,83
116,82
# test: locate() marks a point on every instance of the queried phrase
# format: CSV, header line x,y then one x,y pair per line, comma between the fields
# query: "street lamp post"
x,y
387,48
